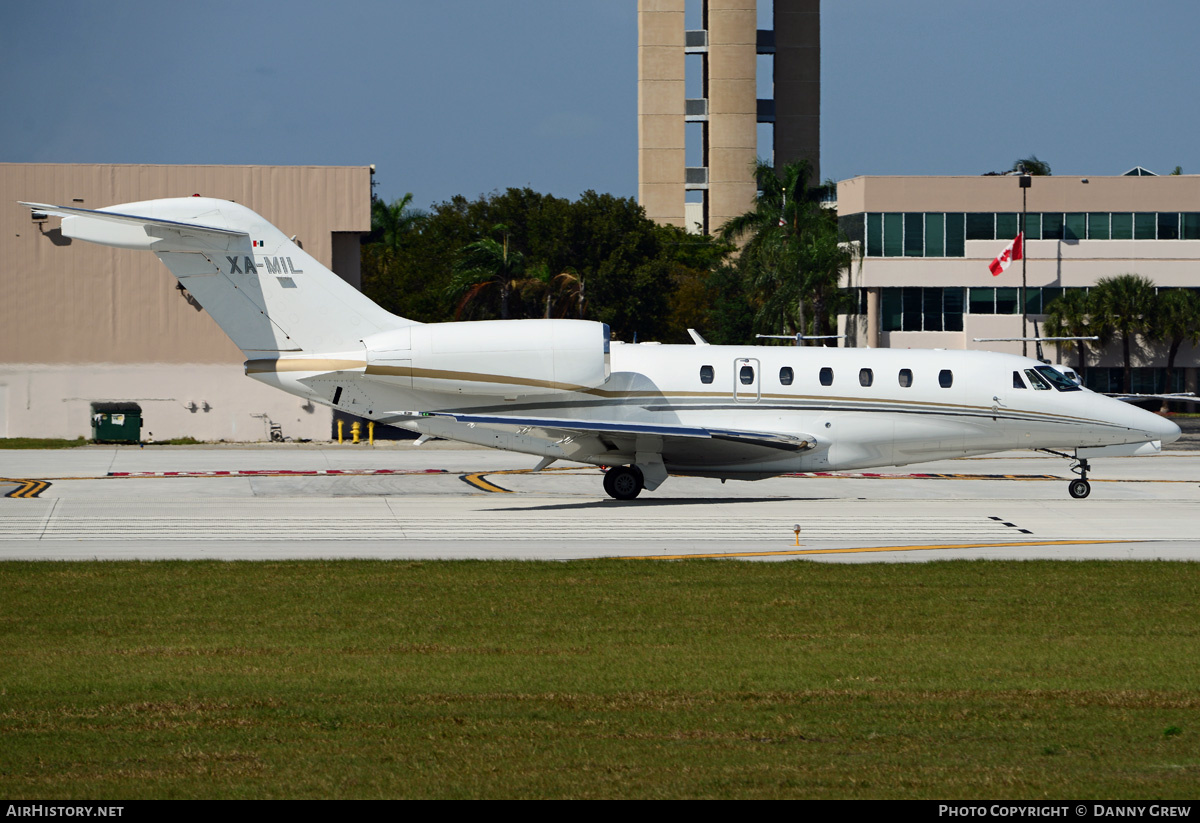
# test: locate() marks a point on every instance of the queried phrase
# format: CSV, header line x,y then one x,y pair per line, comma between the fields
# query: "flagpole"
x,y
1026,180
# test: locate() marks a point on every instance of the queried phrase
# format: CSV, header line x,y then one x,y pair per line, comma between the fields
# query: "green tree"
x,y
1071,316
392,224
1176,319
1125,304
598,257
1032,166
489,265
794,255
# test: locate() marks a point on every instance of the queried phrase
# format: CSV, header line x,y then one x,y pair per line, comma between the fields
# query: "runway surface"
x,y
400,502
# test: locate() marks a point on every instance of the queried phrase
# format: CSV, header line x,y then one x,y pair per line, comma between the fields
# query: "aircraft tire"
x,y
623,482
1079,489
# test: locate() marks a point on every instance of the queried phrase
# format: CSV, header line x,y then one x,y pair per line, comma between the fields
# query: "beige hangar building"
x,y
84,326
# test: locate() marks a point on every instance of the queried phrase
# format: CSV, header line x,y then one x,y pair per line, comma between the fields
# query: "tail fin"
x,y
263,290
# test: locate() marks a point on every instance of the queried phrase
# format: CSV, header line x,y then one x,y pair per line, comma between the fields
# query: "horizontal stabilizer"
x,y
194,229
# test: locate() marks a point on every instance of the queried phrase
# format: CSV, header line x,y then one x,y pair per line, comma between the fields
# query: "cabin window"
x,y
826,376
905,378
746,375
1037,381
1059,380
1018,383
786,376
865,377
945,378
706,374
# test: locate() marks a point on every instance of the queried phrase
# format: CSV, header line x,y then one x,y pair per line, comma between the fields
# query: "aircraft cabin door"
x,y
746,374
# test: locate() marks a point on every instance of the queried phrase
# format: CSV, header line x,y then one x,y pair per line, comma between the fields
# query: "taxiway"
x,y
399,502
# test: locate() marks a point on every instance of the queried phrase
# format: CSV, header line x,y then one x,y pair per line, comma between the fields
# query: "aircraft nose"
x,y
1163,429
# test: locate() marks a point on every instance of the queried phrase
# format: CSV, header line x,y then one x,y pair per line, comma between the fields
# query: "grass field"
x,y
41,443
599,679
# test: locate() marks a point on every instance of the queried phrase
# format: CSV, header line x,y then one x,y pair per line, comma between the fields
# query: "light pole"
x,y
1026,181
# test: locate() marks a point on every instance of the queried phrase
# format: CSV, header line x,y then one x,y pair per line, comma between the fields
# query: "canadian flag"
x,y
1013,251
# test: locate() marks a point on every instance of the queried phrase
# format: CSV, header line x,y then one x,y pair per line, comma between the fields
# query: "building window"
x,y
1052,226
944,234
1144,225
935,234
905,378
826,376
917,308
945,378
1074,226
865,377
1004,300
1033,226
786,376
1006,225
1168,225
874,235
1122,226
956,234
981,226
914,234
893,235
706,374
1098,226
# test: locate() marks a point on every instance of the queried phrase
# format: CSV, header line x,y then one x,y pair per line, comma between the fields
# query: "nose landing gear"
x,y
1078,488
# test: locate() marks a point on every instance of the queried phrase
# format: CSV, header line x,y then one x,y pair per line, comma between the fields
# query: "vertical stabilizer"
x,y
264,291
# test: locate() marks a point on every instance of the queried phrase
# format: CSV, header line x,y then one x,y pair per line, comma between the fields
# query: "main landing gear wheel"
x,y
623,482
1079,489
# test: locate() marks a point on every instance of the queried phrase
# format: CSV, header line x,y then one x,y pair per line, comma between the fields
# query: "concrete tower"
x,y
696,154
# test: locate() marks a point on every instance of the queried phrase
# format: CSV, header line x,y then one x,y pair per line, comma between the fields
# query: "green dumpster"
x,y
116,422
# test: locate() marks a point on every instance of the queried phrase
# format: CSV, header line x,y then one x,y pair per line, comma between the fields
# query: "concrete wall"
x,y
661,94
732,109
41,400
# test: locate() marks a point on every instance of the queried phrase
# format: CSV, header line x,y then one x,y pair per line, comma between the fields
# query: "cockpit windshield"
x,y
1057,379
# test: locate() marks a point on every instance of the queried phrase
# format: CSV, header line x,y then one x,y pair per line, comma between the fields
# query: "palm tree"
x,y
1125,304
1071,316
485,265
1176,318
792,252
392,223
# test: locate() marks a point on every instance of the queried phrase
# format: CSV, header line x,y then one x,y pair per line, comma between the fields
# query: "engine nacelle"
x,y
503,358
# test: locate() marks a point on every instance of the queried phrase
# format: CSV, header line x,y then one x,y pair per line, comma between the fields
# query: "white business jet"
x,y
561,390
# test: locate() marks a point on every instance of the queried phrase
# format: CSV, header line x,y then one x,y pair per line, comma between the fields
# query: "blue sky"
x,y
470,96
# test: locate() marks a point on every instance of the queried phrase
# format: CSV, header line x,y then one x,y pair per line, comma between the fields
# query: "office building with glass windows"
x,y
926,242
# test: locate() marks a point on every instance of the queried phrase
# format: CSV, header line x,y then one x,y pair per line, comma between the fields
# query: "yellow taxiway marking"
x,y
476,479
25,488
935,546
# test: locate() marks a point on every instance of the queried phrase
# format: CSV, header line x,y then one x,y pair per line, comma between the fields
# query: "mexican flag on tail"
x,y
1013,251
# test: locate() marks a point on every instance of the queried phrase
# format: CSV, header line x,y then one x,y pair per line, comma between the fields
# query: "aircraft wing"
x,y
616,433
1182,397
